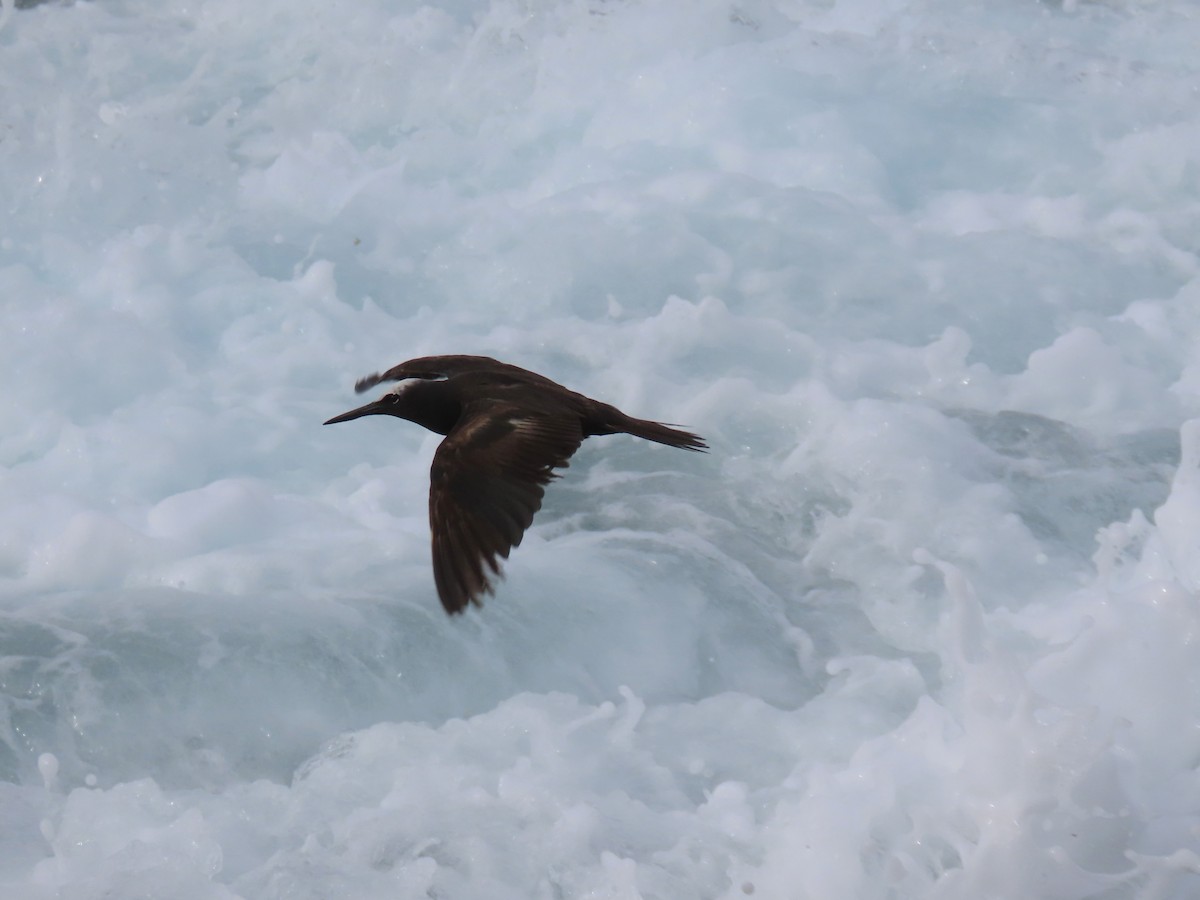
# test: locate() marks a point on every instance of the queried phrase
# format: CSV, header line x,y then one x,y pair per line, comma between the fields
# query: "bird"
x,y
505,430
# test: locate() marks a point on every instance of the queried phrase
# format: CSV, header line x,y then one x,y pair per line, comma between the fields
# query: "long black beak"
x,y
371,409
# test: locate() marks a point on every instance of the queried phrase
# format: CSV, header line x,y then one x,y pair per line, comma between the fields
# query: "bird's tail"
x,y
663,434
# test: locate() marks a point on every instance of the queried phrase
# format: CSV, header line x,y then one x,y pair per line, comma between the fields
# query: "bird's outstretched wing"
x,y
487,481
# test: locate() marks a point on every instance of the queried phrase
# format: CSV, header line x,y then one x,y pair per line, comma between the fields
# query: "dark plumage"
x,y
506,430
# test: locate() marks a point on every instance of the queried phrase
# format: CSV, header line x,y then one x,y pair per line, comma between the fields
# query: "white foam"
x,y
921,624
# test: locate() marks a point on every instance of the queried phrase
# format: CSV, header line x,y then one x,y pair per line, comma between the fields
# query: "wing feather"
x,y
486,484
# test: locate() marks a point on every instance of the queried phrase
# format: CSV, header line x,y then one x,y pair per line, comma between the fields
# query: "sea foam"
x,y
923,622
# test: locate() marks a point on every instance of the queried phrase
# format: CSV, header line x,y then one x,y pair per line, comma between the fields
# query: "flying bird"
x,y
507,429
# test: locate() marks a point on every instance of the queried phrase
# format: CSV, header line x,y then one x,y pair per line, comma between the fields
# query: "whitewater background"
x,y
923,624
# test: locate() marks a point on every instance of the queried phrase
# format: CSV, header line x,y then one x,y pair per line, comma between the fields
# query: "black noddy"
x,y
507,429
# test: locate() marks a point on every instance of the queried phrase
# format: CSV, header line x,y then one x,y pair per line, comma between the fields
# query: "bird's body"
x,y
506,430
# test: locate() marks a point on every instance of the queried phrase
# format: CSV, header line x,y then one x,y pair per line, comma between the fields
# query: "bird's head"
x,y
393,402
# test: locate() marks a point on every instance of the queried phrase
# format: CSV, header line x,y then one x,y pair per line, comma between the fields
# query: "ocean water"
x,y
924,623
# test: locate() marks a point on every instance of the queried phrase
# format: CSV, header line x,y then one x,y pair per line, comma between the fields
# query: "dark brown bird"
x,y
507,429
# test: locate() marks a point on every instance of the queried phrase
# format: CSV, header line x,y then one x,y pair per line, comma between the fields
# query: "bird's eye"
x,y
393,398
